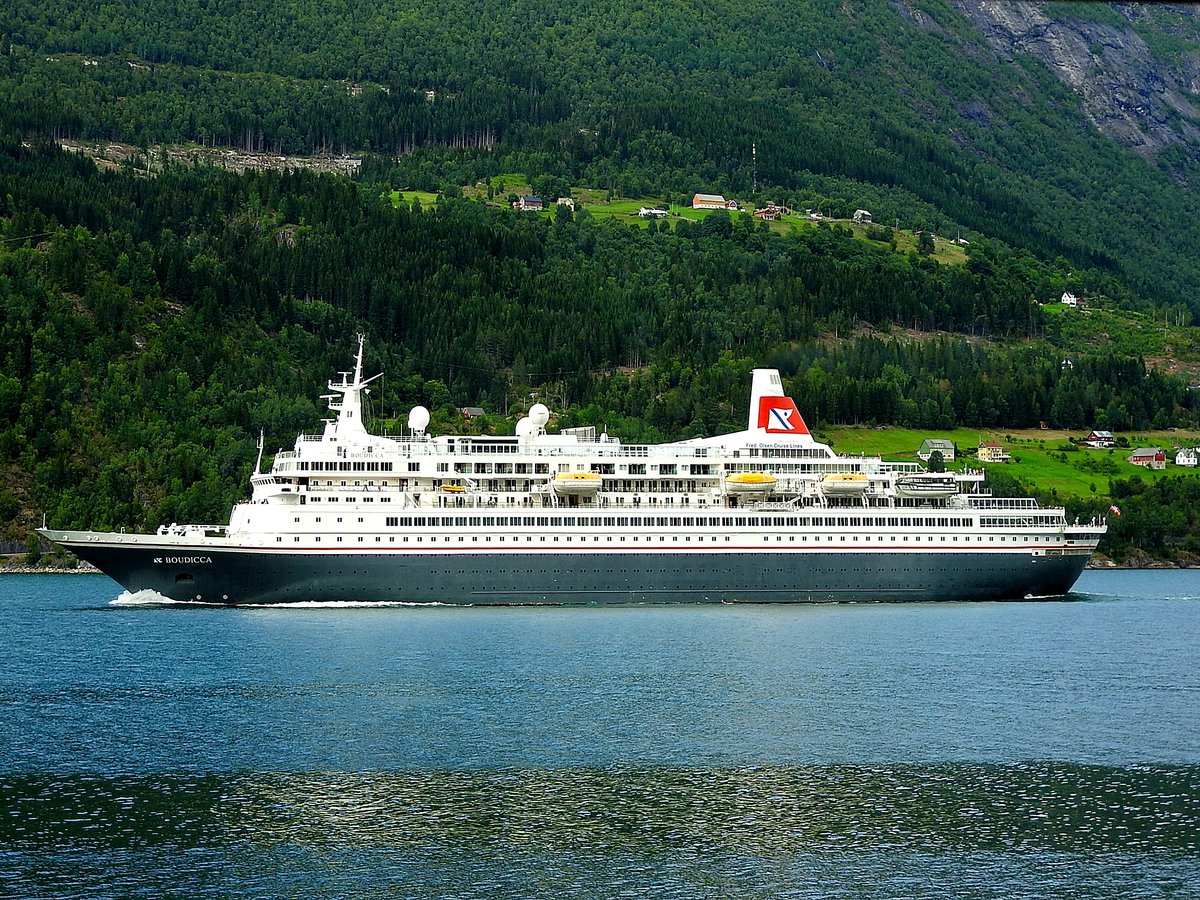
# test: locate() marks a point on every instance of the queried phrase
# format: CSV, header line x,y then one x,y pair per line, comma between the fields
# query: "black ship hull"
x,y
233,575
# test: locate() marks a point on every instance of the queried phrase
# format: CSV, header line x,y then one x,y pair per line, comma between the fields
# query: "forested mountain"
x,y
150,324
930,113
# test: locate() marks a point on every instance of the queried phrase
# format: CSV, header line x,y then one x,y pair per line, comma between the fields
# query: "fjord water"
x,y
973,750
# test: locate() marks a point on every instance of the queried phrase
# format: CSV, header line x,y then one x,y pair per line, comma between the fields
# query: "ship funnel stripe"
x,y
779,415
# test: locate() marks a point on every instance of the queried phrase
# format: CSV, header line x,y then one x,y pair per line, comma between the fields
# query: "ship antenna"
x,y
258,462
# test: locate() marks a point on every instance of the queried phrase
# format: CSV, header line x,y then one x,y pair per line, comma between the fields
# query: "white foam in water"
x,y
153,598
141,598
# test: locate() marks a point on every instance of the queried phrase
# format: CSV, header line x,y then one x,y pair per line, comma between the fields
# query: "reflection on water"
x,y
1029,826
709,752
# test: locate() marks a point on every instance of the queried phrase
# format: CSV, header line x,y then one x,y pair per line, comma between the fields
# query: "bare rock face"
x,y
1127,93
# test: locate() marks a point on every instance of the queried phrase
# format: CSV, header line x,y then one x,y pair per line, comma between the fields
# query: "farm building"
x,y
1099,440
1187,457
929,445
712,201
1149,457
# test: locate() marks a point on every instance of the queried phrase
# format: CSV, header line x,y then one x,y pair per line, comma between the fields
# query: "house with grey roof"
x,y
943,446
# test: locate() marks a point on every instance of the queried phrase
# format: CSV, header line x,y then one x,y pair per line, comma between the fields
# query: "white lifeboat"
x,y
847,484
577,484
750,483
926,484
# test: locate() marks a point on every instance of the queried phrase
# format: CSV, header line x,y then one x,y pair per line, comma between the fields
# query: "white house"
x,y
1069,299
862,217
650,212
1186,457
945,447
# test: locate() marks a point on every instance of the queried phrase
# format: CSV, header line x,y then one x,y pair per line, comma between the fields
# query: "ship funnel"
x,y
772,412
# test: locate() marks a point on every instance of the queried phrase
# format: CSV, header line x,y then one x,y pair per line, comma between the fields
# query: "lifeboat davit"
x,y
750,483
845,485
577,484
926,485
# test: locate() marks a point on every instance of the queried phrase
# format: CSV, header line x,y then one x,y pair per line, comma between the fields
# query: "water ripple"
x,y
1036,829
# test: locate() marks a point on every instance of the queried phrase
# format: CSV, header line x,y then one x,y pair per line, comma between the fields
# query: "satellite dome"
x,y
525,428
539,415
418,418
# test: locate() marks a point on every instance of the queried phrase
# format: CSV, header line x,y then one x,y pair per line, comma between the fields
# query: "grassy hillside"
x,y
1046,461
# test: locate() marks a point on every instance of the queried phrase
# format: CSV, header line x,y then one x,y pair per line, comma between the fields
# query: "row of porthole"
x,y
644,572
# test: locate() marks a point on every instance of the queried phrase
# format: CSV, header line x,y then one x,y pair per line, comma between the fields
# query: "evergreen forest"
x,y
156,314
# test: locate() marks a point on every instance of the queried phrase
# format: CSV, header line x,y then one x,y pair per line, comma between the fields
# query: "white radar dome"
x,y
525,428
418,418
539,415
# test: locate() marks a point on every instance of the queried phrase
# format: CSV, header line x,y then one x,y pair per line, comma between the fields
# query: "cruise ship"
x,y
767,514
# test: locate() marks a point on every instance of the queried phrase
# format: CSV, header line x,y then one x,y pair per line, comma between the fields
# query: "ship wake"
x,y
144,598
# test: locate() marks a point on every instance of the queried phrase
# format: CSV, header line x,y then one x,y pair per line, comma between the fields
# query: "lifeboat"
x,y
750,483
456,490
577,484
926,485
845,485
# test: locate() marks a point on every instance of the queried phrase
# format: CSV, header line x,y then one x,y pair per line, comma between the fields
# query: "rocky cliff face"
x,y
1128,92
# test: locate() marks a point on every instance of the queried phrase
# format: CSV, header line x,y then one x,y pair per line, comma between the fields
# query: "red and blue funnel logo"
x,y
778,415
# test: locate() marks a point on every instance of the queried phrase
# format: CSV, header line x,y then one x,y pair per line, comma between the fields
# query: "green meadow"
x,y
406,198
1044,460
600,204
